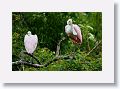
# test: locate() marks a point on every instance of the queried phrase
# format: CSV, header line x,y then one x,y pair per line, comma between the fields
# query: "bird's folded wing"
x,y
35,40
74,32
25,38
78,30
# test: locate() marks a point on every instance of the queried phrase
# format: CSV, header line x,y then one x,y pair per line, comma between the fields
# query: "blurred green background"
x,y
50,28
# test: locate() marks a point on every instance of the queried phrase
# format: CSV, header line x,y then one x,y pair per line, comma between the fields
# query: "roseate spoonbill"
x,y
30,42
74,32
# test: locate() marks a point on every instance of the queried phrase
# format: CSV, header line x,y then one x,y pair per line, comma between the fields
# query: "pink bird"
x,y
30,42
74,32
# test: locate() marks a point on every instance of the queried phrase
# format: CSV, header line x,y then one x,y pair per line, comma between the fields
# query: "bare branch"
x,y
26,63
56,58
92,49
58,46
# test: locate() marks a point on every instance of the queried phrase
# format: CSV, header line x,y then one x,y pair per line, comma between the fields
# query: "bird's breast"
x,y
68,29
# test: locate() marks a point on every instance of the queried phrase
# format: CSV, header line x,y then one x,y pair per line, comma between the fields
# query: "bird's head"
x,y
69,22
29,33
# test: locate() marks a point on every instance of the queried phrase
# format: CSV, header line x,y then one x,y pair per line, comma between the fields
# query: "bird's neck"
x,y
71,25
29,34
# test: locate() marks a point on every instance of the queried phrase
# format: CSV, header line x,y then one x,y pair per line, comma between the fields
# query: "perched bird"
x,y
74,32
30,42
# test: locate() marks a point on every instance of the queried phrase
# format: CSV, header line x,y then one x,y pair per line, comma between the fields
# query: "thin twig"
x,y
92,49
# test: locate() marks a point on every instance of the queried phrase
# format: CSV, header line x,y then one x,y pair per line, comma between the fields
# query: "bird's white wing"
x,y
74,32
26,43
25,38
68,29
36,41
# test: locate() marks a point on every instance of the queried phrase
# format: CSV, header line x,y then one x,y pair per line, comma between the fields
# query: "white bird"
x,y
30,42
73,31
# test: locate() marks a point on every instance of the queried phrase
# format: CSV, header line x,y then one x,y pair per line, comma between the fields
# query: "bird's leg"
x,y
73,48
23,67
76,47
31,55
36,59
31,61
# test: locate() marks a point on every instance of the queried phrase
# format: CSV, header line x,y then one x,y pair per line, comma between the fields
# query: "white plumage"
x,y
73,31
30,42
69,28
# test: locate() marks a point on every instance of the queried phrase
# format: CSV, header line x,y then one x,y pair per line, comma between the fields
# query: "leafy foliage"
x,y
49,27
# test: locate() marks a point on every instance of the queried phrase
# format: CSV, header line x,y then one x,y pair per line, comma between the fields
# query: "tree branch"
x,y
58,46
92,49
26,63
56,58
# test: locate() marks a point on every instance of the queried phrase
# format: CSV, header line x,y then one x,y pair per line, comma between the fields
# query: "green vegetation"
x,y
49,27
